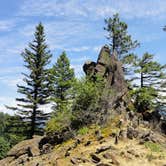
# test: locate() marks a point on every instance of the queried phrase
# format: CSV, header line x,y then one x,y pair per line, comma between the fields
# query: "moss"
x,y
111,126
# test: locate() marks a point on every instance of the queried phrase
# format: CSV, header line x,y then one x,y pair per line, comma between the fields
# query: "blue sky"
x,y
75,26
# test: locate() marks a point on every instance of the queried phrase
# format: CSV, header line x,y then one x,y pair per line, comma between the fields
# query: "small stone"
x,y
95,158
107,156
132,133
87,143
98,135
74,160
103,148
67,154
133,152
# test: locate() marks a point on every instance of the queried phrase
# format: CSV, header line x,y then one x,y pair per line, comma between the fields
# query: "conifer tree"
x,y
62,82
120,41
151,72
151,80
35,91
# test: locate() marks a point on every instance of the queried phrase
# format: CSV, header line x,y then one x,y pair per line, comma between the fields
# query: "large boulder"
x,y
29,147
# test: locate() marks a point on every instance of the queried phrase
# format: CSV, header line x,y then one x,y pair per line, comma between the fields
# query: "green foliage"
x,y
87,98
150,71
60,121
120,41
8,129
62,76
153,146
83,131
144,98
151,80
4,147
36,89
3,122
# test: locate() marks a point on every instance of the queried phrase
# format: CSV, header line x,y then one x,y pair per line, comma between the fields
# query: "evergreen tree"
x,y
62,81
151,80
120,41
151,72
36,89
129,68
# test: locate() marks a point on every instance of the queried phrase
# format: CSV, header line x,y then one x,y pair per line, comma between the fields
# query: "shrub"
x,y
86,103
144,98
60,121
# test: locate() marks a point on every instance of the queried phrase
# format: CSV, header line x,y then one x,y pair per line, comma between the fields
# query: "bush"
x,y
60,121
4,147
86,103
144,98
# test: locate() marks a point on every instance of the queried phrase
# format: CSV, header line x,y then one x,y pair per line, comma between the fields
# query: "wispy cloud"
x,y
10,101
6,25
94,9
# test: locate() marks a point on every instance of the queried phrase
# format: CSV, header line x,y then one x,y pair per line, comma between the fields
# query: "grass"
x,y
83,130
153,146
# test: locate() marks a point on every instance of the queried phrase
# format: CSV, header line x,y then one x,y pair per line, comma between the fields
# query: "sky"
x,y
74,26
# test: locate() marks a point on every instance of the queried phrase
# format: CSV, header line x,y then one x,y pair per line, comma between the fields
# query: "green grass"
x,y
83,131
153,146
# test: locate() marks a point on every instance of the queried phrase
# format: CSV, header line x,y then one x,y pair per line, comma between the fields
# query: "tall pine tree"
x,y
36,89
120,41
62,82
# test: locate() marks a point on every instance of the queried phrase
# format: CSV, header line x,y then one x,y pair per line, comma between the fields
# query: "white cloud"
x,y
94,8
11,70
78,70
9,101
6,25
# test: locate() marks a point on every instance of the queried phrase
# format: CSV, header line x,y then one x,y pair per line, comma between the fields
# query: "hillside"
x,y
96,146
119,135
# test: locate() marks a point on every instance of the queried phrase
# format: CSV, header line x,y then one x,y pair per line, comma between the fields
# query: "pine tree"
x,y
36,89
62,81
120,41
151,72
151,80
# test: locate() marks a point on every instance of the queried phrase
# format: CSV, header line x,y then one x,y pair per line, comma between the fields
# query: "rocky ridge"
x,y
124,138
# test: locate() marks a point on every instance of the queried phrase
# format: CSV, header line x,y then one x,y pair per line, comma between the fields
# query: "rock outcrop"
x,y
21,152
108,67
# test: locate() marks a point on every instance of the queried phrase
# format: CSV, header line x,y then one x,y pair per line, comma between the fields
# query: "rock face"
x,y
115,91
29,147
21,152
108,67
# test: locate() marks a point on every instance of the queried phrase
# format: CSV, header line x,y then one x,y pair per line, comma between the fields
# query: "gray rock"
x,y
103,148
29,147
132,133
95,158
107,155
74,161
